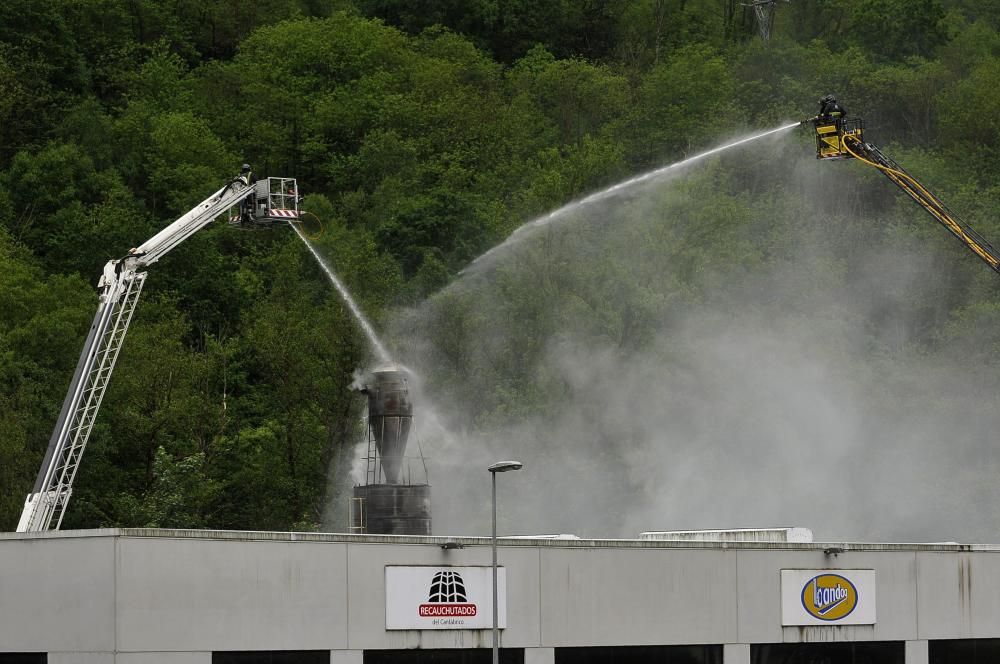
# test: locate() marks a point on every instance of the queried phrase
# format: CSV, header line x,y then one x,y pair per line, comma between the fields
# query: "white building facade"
x,y
201,597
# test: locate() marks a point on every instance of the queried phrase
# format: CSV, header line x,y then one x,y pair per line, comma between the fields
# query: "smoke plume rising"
x,y
766,341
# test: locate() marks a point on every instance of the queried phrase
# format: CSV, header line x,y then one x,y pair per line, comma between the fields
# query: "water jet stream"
x,y
380,351
525,230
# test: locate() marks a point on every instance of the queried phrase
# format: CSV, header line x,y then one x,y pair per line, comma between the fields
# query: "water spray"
x,y
529,228
388,500
366,327
318,234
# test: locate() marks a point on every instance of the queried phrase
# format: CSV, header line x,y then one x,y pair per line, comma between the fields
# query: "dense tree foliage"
x,y
424,133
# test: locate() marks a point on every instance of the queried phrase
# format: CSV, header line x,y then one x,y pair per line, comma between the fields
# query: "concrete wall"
x,y
125,596
231,595
57,594
958,595
604,597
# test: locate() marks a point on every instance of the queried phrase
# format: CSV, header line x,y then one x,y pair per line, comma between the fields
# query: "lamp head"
x,y
504,466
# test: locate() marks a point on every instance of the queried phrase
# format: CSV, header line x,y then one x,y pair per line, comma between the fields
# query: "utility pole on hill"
x,y
764,10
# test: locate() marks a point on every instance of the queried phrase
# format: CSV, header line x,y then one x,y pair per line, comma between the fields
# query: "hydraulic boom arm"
x,y
837,138
121,282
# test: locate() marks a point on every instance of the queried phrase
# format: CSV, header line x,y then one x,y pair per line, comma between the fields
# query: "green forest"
x,y
422,134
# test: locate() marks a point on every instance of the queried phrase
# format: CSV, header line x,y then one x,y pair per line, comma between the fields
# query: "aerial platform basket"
x,y
830,135
273,200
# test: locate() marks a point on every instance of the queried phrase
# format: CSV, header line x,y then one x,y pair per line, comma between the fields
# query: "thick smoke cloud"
x,y
764,341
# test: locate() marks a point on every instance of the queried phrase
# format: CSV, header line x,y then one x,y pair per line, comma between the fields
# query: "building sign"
x,y
443,597
827,597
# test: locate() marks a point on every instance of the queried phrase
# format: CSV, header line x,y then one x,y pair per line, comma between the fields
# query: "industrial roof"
x,y
518,541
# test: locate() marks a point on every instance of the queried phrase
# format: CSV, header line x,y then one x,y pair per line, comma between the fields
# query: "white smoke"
x,y
358,377
794,377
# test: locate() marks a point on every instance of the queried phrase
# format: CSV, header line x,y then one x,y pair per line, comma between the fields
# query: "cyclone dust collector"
x,y
390,502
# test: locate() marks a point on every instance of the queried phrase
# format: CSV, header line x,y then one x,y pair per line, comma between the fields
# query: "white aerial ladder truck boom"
x,y
262,203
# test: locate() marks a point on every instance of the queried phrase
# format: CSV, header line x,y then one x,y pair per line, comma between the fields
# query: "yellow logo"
x,y
829,597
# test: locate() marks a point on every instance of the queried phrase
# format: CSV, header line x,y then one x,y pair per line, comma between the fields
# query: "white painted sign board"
x,y
827,597
427,597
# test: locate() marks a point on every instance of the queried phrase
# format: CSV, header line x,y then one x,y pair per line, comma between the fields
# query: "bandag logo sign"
x,y
828,597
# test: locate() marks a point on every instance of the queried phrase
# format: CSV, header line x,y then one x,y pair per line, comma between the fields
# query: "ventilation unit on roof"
x,y
798,535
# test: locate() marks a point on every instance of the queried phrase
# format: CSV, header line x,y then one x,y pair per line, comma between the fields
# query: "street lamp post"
x,y
498,467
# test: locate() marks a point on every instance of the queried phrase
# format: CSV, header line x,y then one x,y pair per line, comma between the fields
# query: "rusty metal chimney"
x,y
390,414
389,502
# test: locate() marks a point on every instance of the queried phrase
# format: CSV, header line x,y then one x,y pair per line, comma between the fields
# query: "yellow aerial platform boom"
x,y
840,138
